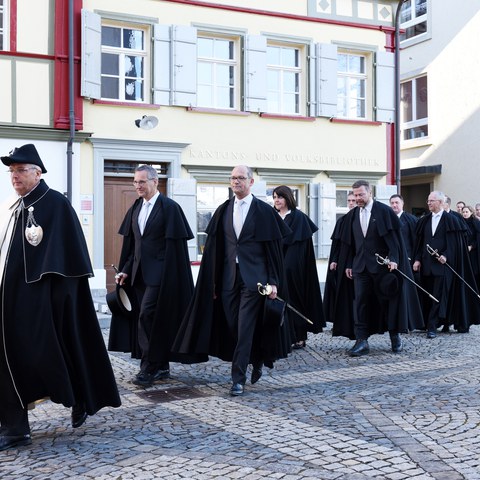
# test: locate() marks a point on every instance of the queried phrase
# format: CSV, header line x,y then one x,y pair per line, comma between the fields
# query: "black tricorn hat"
x,y
274,312
25,154
119,302
388,284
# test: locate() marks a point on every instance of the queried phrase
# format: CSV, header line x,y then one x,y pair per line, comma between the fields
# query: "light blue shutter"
x,y
326,81
255,57
312,82
184,66
184,192
323,208
91,62
385,87
162,65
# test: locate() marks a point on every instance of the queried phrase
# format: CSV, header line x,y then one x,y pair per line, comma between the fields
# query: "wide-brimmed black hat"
x,y
119,301
274,312
24,154
388,284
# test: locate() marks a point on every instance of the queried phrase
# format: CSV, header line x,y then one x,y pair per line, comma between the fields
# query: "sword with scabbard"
x,y
385,261
435,254
267,290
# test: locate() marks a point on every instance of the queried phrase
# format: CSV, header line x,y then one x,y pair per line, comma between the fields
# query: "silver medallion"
x,y
33,231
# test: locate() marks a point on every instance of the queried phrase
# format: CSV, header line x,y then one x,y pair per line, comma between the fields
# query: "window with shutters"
x,y
414,108
414,20
218,72
4,43
352,86
285,79
125,63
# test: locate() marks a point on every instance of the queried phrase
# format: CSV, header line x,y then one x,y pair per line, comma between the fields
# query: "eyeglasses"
x,y
141,183
20,171
431,201
240,179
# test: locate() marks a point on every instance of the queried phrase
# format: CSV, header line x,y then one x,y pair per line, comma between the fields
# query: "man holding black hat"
x,y
370,233
50,341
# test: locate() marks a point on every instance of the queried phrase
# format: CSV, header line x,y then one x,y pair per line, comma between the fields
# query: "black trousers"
x,y
242,308
13,417
147,299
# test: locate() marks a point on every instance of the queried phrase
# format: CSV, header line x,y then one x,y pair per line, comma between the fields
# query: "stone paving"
x,y
317,415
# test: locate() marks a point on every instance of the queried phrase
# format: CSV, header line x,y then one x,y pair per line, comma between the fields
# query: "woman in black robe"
x,y
300,267
473,239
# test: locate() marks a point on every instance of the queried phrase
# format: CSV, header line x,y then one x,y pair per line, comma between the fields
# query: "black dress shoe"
x,y
256,374
431,334
143,379
11,441
236,390
79,415
160,375
397,345
360,348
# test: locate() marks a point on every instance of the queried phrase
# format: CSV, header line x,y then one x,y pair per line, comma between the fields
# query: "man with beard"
x,y
51,343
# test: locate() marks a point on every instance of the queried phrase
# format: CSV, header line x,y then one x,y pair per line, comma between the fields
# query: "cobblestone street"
x,y
318,415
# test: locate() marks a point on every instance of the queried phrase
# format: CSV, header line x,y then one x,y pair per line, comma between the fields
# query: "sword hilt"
x,y
432,252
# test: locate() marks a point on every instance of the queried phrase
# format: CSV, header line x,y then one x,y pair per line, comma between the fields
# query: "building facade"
x,y
440,145
301,91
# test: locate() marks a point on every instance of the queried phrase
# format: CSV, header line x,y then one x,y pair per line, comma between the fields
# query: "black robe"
x,y
204,330
459,306
473,242
302,278
52,340
176,288
401,313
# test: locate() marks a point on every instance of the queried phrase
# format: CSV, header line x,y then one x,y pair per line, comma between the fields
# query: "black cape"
x,y
204,330
52,340
459,306
301,272
401,313
176,288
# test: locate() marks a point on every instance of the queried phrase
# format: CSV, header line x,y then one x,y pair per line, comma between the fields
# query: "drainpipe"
x,y
71,86
397,95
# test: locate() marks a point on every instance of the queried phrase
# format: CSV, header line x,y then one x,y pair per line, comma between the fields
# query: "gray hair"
x,y
439,195
152,173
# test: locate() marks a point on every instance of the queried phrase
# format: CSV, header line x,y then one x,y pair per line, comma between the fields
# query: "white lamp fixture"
x,y
146,122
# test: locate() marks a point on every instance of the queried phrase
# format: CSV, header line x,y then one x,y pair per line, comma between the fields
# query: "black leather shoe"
x,y
360,348
446,329
11,441
256,374
143,379
431,334
79,415
160,375
397,345
236,390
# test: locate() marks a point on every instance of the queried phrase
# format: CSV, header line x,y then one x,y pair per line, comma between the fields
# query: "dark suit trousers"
x,y
13,418
242,308
432,310
147,299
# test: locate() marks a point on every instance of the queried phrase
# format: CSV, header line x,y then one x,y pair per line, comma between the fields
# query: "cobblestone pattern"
x,y
318,415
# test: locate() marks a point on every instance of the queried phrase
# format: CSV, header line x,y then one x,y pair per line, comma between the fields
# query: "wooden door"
x,y
119,195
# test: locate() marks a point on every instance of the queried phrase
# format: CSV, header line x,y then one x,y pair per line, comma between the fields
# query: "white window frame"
x,y
415,20
216,62
299,70
416,125
5,25
122,53
353,76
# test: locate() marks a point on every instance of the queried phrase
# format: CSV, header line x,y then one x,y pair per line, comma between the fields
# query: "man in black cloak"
x,y
155,262
51,343
227,317
446,236
373,228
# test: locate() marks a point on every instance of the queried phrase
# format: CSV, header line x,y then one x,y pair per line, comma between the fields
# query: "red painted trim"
x,y
13,25
151,106
61,106
355,122
268,13
218,111
38,56
390,137
287,117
